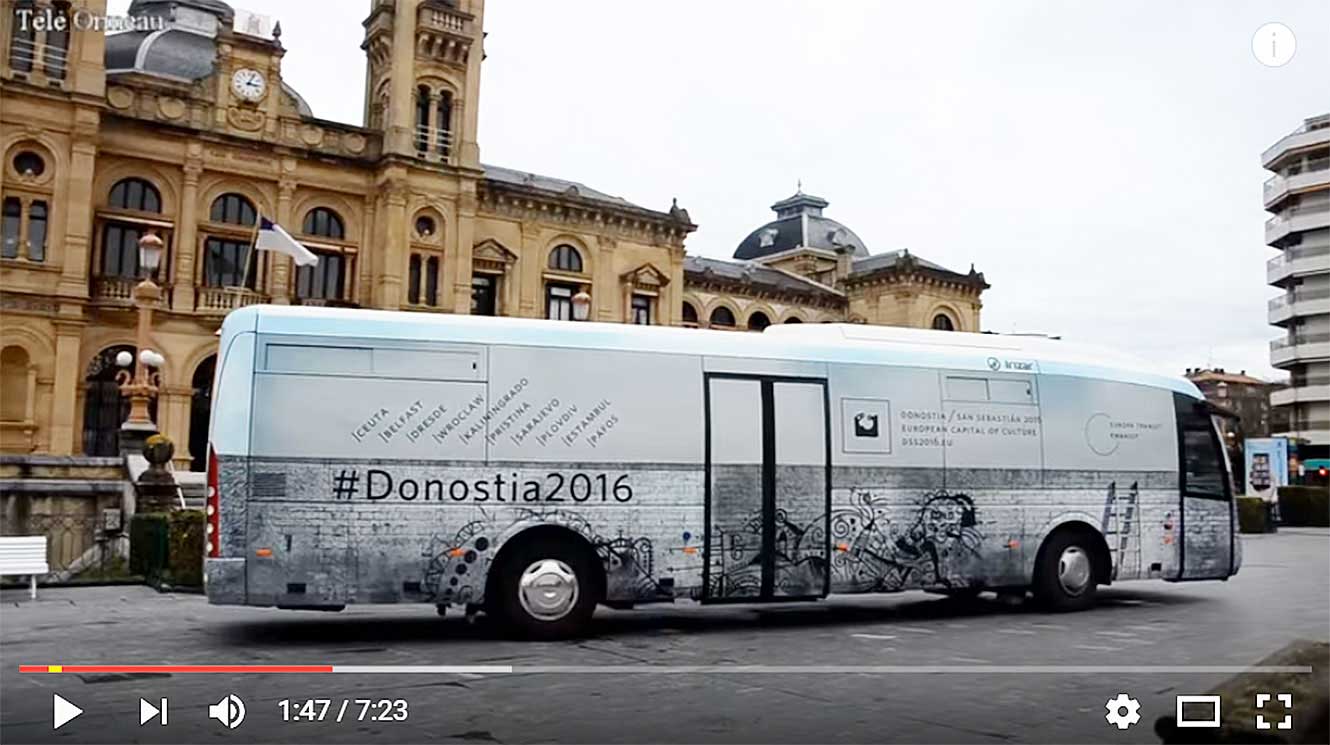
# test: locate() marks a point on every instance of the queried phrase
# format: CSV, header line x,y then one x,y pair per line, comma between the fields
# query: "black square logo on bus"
x,y
865,425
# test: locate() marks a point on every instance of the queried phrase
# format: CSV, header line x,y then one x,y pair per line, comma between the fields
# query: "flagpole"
x,y
249,257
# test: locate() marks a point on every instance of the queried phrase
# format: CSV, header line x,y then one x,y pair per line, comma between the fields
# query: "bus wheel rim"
x,y
1074,570
548,589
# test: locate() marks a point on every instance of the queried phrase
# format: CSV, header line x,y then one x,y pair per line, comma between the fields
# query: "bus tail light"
x,y
213,508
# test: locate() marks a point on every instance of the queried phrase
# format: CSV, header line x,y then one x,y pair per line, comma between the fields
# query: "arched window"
x,y
56,48
565,258
37,231
226,255
14,393
444,125
200,408
942,322
722,317
689,314
324,222
104,407
23,39
422,118
233,209
326,280
11,225
135,194
794,319
758,321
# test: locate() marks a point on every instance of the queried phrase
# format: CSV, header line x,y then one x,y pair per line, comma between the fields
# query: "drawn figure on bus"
x,y
452,564
878,550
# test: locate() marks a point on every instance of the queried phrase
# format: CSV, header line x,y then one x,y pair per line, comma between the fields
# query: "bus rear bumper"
x,y
224,581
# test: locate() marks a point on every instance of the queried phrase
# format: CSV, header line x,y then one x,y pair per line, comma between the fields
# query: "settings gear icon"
x,y
1123,711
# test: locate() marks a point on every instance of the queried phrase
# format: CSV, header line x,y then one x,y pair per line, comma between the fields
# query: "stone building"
x,y
806,267
184,127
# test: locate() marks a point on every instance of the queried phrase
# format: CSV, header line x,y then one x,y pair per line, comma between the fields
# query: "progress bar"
x,y
674,669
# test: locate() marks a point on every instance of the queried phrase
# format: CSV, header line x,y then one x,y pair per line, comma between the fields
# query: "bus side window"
x,y
1203,462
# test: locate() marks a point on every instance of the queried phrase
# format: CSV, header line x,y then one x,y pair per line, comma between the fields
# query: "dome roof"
x,y
799,223
171,52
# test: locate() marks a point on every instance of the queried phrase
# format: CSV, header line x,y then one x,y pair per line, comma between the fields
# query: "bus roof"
x,y
837,342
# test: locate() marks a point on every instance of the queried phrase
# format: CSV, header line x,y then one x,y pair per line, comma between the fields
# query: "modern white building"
x,y
1299,196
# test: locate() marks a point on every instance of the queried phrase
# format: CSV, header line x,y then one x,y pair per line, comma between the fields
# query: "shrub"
x,y
1304,506
148,545
185,557
167,548
1252,515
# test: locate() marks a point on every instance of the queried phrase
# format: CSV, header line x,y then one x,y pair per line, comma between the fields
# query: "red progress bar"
x,y
175,668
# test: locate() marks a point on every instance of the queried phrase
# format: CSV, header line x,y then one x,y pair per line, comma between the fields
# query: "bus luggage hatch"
x,y
768,488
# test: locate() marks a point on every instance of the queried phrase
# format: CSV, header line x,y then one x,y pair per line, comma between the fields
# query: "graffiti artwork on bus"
x,y
874,546
932,545
456,566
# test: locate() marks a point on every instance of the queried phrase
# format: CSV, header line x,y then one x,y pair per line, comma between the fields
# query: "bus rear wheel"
x,y
1065,576
546,590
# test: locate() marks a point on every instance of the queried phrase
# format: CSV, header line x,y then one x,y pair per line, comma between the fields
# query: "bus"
x,y
536,469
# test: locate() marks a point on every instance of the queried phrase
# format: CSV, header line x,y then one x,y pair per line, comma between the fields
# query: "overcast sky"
x,y
1098,161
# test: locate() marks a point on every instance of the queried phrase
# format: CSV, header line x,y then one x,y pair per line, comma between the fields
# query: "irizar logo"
x,y
865,425
995,364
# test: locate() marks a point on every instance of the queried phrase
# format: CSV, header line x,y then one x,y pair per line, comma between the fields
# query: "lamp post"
x,y
139,379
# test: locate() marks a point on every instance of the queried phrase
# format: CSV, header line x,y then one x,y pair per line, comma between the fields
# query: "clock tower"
x,y
249,76
423,77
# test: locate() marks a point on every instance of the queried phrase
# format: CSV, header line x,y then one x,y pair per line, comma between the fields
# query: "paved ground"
x,y
1280,595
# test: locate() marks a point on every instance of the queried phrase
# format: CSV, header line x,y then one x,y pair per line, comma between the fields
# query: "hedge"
x,y
167,548
1307,506
1252,515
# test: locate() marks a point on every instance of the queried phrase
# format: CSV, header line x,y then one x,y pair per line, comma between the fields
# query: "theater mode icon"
x,y
1209,703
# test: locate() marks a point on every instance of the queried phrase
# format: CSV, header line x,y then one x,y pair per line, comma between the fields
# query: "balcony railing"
x,y
120,291
433,143
223,300
1290,255
1298,340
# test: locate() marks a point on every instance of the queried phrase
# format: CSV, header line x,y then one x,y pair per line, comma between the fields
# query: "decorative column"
x,y
388,283
531,267
605,279
77,201
68,376
280,284
186,235
460,257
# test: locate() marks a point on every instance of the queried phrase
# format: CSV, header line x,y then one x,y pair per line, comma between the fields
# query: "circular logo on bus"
x,y
994,364
1097,435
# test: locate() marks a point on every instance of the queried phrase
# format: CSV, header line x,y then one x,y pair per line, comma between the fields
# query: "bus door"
x,y
768,488
1207,526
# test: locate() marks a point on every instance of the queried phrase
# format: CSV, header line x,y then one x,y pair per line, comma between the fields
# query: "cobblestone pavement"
x,y
1280,595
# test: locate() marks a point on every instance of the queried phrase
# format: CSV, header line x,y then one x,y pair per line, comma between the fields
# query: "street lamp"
x,y
140,382
581,305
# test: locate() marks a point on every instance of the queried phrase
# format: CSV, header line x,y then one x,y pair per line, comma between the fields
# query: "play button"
x,y
62,711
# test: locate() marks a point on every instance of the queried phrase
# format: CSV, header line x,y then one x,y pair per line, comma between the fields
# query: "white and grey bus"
x,y
536,469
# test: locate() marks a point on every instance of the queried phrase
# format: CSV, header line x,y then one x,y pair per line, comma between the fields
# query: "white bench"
x,y
24,554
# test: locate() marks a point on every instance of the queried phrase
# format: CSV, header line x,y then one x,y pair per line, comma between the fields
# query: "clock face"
x,y
248,84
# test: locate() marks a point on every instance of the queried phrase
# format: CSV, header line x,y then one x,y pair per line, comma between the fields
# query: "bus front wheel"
x,y
546,589
1066,574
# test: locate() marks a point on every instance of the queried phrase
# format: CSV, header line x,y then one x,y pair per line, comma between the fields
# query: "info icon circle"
x,y
1274,44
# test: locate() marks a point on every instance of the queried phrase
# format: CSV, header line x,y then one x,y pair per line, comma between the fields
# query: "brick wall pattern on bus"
x,y
889,528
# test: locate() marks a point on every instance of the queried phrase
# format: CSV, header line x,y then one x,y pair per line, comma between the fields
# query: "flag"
x,y
273,238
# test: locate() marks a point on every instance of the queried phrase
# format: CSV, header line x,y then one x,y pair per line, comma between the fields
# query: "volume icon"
x,y
230,711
